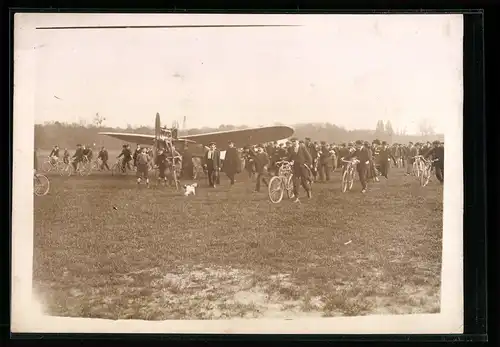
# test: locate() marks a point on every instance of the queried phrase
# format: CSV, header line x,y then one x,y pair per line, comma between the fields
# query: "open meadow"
x,y
105,248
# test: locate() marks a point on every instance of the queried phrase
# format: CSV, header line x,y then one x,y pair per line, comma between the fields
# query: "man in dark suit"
x,y
261,165
311,147
104,156
437,152
212,164
232,163
325,162
187,163
301,173
384,157
343,152
363,154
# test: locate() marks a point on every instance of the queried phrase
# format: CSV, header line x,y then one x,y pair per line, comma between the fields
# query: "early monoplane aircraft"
x,y
241,137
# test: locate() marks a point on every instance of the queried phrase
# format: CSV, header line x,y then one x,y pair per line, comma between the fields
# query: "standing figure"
x,y
437,152
212,164
232,163
301,174
325,162
385,156
142,163
161,162
313,152
187,163
103,155
363,154
261,165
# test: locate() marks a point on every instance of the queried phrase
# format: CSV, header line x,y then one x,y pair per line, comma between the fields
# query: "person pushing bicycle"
x,y
437,152
364,156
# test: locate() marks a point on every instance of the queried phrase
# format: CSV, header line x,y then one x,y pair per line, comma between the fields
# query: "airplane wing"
x,y
243,137
142,139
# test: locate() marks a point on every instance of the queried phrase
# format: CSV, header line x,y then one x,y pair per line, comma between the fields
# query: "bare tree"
x,y
426,128
98,120
388,128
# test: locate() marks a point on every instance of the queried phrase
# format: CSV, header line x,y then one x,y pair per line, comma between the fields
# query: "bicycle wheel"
x,y
115,170
69,170
60,168
275,189
351,178
345,180
46,167
41,185
425,177
86,169
95,166
289,187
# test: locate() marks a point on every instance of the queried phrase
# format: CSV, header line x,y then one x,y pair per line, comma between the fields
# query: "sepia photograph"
x,y
230,173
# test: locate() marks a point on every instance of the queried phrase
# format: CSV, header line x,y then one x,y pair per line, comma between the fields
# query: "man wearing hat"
x,y
78,156
161,162
384,158
363,154
343,152
261,166
103,156
187,163
411,153
301,174
232,163
142,162
437,151
212,164
325,162
126,153
314,154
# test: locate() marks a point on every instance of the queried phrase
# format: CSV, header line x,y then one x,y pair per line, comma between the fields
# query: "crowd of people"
x,y
311,161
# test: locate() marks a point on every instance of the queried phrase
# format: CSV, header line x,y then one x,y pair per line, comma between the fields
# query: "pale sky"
x,y
343,69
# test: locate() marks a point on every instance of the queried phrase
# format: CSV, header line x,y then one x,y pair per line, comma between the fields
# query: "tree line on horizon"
x,y
67,135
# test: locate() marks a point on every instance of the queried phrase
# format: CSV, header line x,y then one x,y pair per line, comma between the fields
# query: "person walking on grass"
x,y
363,154
261,165
384,157
301,174
142,167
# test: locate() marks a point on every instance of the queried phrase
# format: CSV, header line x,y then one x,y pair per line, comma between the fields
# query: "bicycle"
x,y
348,174
41,184
282,181
418,165
67,169
118,168
52,164
84,167
426,174
96,165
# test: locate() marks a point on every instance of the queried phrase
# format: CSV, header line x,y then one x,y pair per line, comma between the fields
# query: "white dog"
x,y
190,189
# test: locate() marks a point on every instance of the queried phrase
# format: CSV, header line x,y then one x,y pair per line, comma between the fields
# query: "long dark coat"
x,y
232,162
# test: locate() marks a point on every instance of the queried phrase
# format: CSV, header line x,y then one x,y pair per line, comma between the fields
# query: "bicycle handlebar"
x,y
283,162
350,161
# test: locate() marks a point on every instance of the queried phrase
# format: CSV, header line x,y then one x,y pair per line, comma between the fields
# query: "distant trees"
x,y
385,131
380,129
425,127
388,128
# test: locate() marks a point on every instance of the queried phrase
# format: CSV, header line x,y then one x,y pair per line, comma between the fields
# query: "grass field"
x,y
229,252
